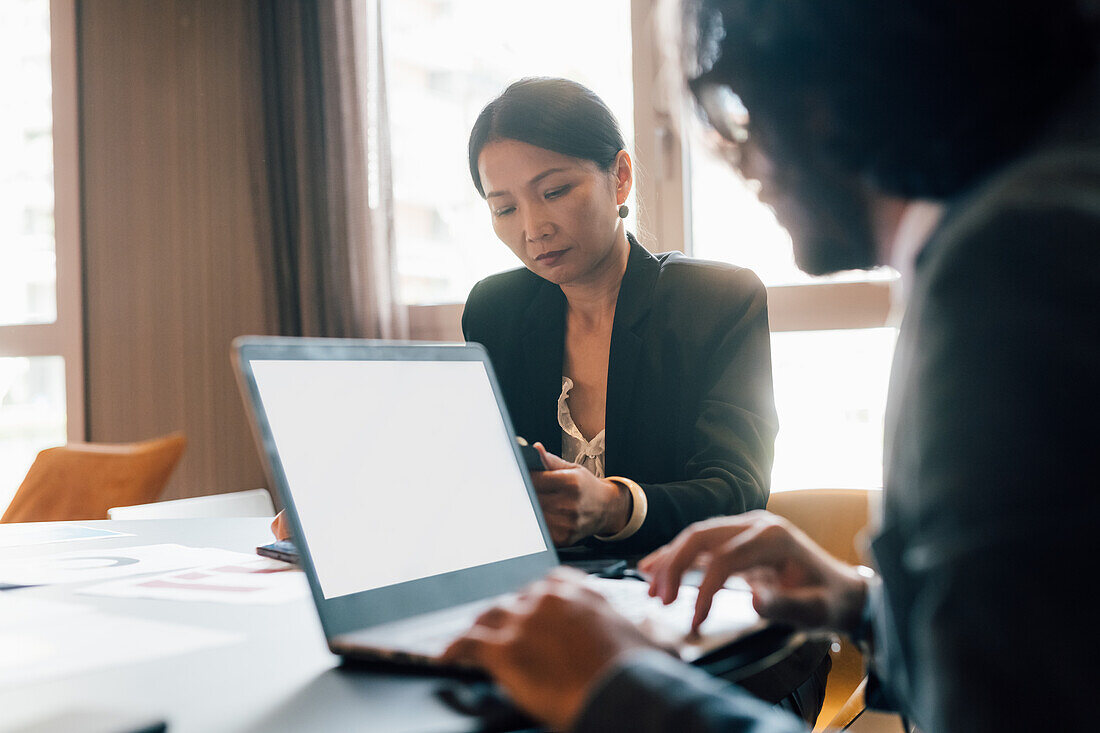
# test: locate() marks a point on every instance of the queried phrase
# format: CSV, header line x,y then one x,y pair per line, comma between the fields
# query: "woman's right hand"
x,y
576,503
280,527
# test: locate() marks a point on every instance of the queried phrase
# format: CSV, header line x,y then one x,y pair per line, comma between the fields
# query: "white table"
x,y
281,677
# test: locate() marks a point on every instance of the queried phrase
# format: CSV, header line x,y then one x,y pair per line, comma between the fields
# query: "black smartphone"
x,y
284,550
532,458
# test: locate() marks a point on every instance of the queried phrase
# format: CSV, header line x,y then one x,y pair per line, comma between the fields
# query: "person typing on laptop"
x,y
960,143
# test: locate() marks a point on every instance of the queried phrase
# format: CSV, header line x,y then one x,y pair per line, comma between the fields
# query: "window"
x,y
27,292
730,225
830,393
830,384
445,59
32,415
41,366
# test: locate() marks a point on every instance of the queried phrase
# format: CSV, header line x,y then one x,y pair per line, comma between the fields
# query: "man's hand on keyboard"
x,y
549,646
793,579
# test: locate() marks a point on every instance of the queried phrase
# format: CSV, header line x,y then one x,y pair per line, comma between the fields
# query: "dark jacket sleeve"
x,y
729,435
650,692
472,314
992,499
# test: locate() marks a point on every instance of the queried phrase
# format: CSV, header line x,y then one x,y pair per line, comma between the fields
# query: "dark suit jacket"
x,y
991,517
989,547
690,414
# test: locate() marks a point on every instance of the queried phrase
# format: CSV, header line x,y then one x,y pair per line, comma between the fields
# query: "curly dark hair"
x,y
920,98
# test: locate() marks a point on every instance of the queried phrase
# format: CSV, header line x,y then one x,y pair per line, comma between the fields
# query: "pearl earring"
x,y
623,211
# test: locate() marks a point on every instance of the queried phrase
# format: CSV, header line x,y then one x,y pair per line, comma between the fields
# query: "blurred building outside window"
x,y
38,329
830,385
32,415
27,278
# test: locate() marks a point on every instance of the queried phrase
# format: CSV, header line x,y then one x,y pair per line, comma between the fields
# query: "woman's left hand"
x,y
280,527
576,503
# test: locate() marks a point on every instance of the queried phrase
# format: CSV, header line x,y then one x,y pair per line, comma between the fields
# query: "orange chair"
x,y
83,480
834,519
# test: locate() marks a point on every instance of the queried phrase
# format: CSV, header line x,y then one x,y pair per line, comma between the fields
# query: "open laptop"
x,y
409,498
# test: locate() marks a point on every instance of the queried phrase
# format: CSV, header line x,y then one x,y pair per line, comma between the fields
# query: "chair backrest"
x,y
83,480
834,519
251,503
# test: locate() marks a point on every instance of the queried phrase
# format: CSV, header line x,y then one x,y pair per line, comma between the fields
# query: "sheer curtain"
x,y
324,180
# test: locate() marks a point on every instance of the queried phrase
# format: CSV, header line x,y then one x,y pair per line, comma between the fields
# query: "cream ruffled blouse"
x,y
574,447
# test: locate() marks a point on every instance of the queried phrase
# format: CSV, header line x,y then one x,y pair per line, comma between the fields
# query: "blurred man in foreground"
x,y
959,143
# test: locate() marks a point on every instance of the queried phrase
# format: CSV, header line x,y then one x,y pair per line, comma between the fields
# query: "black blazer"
x,y
690,414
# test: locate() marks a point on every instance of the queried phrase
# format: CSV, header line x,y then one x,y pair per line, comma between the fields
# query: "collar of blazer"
x,y
546,311
634,303
635,293
544,351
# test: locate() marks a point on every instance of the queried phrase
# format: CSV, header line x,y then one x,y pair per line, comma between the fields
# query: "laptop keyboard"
x,y
731,615
632,600
430,634
425,637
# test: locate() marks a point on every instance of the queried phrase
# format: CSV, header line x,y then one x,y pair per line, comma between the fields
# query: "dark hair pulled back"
x,y
553,114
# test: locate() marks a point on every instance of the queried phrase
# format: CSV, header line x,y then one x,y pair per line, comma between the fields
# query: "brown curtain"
x,y
324,179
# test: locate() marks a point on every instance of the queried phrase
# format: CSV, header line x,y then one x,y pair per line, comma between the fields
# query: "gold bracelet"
x,y
637,514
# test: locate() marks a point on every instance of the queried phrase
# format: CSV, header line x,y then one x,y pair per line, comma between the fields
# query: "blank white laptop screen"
x,y
399,470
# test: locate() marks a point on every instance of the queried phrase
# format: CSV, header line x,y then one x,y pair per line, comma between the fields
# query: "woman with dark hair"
x,y
645,379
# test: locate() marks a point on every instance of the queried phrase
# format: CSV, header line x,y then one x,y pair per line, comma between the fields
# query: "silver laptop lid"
x,y
400,474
